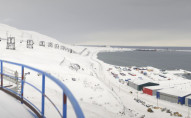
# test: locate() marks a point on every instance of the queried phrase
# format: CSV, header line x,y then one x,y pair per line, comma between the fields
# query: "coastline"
x,y
161,59
121,89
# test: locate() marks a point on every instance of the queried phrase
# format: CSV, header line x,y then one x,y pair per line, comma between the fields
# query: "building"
x,y
10,43
188,101
139,84
42,43
30,44
152,90
173,95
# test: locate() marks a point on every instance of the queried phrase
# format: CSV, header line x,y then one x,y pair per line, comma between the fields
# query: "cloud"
x,y
116,22
139,38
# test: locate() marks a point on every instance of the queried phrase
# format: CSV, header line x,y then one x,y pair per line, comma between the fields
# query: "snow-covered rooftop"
x,y
157,87
140,82
175,92
189,97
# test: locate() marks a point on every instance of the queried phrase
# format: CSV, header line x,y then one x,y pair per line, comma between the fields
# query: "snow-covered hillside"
x,y
94,97
98,92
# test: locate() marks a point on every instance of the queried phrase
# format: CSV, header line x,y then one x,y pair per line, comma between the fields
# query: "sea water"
x,y
165,60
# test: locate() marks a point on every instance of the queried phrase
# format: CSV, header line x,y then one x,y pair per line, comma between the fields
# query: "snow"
x,y
99,94
156,87
140,82
12,108
175,92
88,90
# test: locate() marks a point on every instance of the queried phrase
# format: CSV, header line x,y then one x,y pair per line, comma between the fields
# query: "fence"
x,y
66,91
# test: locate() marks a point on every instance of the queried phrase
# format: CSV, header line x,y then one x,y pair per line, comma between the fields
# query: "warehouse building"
x,y
173,95
188,101
139,84
152,90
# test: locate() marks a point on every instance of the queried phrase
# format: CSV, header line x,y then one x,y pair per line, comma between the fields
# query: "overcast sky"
x,y
110,22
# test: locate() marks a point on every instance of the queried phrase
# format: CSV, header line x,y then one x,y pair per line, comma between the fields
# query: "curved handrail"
x,y
66,91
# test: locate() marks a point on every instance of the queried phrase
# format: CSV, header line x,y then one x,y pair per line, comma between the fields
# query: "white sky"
x,y
104,22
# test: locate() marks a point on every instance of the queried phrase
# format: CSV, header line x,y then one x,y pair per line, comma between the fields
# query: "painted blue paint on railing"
x,y
66,91
1,74
22,82
43,93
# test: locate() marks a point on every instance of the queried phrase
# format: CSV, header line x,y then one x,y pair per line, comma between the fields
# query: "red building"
x,y
147,91
152,90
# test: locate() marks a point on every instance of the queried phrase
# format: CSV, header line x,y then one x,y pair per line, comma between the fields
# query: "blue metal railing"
x,y
66,91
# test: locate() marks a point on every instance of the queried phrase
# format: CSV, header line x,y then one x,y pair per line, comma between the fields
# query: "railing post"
x,y
1,74
43,94
64,105
22,83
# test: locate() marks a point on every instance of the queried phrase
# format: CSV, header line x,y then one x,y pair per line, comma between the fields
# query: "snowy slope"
x,y
10,107
89,91
99,94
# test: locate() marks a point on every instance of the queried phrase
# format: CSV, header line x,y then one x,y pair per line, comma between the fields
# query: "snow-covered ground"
x,y
12,108
99,94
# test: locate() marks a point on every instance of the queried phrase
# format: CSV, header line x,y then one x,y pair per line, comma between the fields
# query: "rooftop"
x,y
140,82
175,92
157,87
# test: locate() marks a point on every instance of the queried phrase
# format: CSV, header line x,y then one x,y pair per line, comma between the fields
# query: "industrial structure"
x,y
173,95
152,90
62,47
10,43
56,46
30,44
139,84
50,44
42,43
188,101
